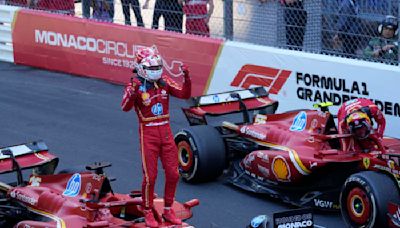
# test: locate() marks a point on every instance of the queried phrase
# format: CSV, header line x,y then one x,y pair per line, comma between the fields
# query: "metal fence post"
x,y
86,8
228,19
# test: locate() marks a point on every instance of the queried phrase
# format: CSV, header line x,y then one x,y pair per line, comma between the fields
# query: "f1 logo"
x,y
253,75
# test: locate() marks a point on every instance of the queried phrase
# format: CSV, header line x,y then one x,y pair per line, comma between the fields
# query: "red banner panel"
x,y
104,50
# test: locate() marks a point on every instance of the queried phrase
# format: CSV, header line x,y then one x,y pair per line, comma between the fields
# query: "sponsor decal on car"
x,y
35,181
299,122
73,186
394,214
280,169
249,159
253,133
263,156
324,204
22,197
253,75
263,170
260,119
157,109
313,125
192,144
88,188
387,169
216,98
366,162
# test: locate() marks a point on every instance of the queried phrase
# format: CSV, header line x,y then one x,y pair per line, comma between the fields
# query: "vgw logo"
x,y
299,122
73,186
253,75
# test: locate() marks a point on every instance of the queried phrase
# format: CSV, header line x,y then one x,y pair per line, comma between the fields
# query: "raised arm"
x,y
183,91
128,99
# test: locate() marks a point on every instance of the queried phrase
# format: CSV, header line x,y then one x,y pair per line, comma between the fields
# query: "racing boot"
x,y
149,218
169,216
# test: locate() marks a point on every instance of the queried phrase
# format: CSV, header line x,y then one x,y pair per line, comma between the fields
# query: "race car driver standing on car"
x,y
355,117
148,94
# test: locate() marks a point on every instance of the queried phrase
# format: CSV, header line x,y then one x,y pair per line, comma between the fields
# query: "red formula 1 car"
x,y
83,199
294,156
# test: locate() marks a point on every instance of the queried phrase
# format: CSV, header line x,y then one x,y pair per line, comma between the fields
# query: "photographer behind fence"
x,y
348,28
384,47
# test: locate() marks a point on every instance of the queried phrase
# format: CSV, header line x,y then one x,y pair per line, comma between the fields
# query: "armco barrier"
x,y
6,18
104,50
298,79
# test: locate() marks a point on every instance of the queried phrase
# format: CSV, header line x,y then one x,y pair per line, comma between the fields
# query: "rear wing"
x,y
218,104
28,155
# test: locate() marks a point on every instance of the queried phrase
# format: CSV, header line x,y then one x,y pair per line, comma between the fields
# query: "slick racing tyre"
x,y
364,199
201,153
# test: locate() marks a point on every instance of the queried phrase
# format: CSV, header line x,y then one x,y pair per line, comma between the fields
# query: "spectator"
x,y
17,2
295,22
56,6
171,10
348,27
103,10
384,47
198,15
136,10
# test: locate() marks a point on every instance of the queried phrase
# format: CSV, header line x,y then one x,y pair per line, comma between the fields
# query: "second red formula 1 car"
x,y
77,199
294,156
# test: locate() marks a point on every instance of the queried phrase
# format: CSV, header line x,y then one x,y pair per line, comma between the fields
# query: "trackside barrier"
x,y
105,50
298,80
6,18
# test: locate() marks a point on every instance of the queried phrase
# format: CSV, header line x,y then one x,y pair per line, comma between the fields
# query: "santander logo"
x,y
253,75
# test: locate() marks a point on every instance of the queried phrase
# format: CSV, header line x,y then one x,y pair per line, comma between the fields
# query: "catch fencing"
x,y
332,27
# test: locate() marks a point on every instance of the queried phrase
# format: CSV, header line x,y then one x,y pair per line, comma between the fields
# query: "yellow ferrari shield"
x,y
366,162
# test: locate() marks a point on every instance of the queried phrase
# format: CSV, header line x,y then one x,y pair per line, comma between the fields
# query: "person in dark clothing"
x,y
136,9
295,22
348,27
171,11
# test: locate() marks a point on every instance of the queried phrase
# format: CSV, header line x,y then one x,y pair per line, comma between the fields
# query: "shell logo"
x,y
280,168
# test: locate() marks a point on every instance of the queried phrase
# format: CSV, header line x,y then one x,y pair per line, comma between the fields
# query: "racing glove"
x,y
130,89
185,71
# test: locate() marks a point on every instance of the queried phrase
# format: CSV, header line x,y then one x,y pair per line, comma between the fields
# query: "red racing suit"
x,y
151,101
368,107
196,14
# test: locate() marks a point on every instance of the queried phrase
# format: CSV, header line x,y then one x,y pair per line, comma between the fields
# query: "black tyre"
x,y
364,199
201,152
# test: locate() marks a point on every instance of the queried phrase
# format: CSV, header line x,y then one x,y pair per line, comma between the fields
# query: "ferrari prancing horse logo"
x,y
366,162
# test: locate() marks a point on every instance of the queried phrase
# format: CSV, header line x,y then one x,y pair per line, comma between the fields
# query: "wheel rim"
x,y
358,206
185,155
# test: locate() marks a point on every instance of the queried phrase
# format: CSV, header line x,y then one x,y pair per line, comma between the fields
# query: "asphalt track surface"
x,y
81,121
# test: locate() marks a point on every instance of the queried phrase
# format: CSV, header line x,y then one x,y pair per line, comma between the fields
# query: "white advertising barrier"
x,y
7,14
298,80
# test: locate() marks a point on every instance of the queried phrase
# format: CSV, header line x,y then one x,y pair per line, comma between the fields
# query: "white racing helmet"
x,y
149,63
